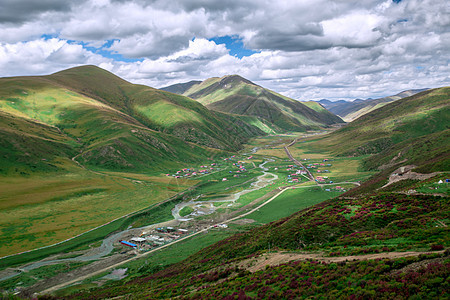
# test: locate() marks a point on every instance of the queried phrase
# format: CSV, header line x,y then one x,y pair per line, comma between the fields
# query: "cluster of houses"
x,y
206,169
240,169
149,240
190,172
319,165
323,179
338,188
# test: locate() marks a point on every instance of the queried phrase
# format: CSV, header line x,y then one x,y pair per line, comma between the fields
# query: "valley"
x,y
113,189
257,197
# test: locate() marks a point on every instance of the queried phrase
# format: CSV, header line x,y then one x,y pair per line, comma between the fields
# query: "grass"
x,y
291,201
60,208
186,211
31,277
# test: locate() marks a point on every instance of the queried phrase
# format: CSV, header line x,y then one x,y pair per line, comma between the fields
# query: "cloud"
x,y
43,57
21,11
308,49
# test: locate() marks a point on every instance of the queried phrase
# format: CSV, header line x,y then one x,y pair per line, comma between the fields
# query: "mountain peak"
x,y
235,79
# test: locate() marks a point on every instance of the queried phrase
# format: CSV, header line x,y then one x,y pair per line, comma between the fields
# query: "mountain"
x,y
412,130
180,88
339,107
351,110
89,115
237,95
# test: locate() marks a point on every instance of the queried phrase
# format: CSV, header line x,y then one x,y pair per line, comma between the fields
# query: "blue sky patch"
x,y
234,44
103,51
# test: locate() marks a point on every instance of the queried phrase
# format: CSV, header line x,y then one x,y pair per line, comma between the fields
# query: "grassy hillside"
x,y
412,130
188,119
237,95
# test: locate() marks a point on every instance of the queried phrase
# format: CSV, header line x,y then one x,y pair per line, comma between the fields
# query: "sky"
x,y
304,49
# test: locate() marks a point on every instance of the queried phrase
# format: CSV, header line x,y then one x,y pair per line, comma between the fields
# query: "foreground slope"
x,y
237,95
351,110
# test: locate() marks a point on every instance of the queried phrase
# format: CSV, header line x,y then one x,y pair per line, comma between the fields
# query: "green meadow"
x,y
292,200
42,211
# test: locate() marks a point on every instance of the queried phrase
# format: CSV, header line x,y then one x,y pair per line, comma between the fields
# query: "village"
x,y
204,169
231,167
157,237
153,238
297,174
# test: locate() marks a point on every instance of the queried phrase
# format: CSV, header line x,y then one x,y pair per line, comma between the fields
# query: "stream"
x,y
107,245
261,182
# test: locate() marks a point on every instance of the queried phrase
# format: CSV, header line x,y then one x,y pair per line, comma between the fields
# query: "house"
x,y
138,239
224,179
128,244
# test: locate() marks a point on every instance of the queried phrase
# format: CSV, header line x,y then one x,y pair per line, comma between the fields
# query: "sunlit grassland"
x,y
257,122
158,112
291,201
41,211
347,169
40,101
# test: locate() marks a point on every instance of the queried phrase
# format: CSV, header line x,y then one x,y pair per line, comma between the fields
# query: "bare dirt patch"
x,y
272,259
243,221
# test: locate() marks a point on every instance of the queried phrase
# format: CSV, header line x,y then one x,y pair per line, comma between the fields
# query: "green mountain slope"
x,y
397,131
156,109
107,122
82,147
237,95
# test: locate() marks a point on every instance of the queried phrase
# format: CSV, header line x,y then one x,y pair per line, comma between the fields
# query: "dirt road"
x,y
277,258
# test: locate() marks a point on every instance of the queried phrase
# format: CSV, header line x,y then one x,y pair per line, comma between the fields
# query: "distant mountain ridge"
x,y
180,88
351,110
237,95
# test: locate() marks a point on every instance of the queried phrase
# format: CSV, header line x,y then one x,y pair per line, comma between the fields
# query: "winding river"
x,y
261,181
